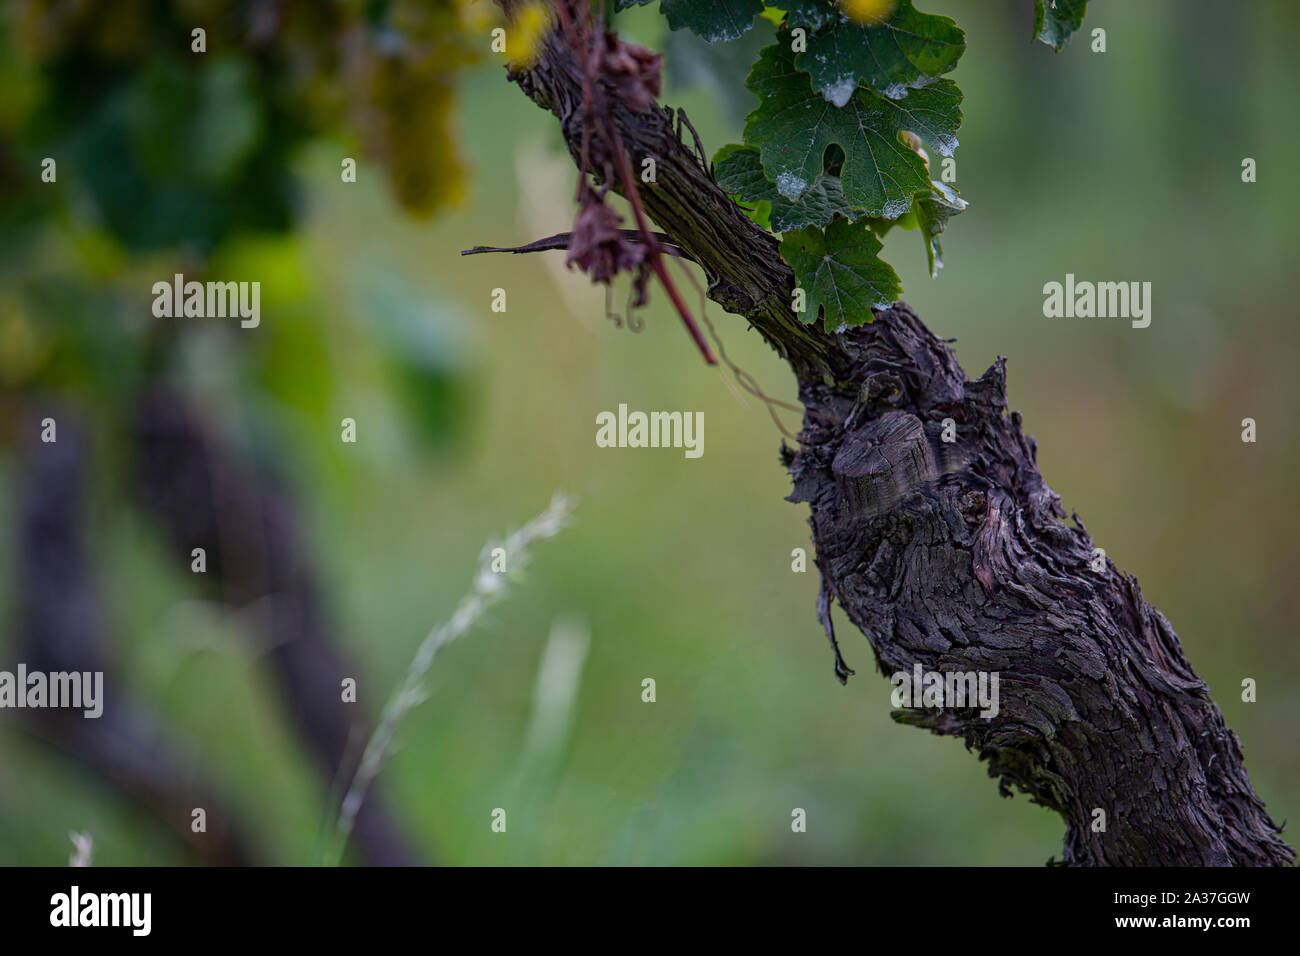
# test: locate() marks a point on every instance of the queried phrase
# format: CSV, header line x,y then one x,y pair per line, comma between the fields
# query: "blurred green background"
x,y
1117,166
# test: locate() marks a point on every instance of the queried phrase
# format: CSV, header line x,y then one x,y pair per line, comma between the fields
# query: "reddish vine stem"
x,y
578,40
652,248
583,39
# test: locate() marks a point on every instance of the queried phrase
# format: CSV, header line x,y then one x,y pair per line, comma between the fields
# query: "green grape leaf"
x,y
809,14
739,171
793,126
909,50
840,272
1056,20
932,214
714,20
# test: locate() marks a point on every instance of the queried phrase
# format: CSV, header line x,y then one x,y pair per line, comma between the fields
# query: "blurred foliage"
x,y
171,160
693,63
190,133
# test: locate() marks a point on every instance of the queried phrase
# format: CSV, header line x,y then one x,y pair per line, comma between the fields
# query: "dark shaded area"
x,y
205,495
61,628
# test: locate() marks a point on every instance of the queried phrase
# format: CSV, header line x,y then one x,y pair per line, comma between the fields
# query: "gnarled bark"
x,y
957,556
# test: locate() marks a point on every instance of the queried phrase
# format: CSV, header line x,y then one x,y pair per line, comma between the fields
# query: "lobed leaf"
x,y
739,171
909,50
714,20
793,127
809,14
841,273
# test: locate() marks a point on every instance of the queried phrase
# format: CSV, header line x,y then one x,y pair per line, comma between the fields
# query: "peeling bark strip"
x,y
958,556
